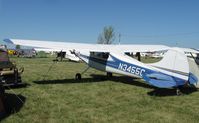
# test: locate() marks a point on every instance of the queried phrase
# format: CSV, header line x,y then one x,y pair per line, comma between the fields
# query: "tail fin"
x,y
173,70
174,60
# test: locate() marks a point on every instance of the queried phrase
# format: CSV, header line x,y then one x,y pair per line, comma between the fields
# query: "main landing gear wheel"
x,y
78,76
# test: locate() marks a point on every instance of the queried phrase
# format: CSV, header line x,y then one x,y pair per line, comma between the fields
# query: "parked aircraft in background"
x,y
172,71
153,54
65,53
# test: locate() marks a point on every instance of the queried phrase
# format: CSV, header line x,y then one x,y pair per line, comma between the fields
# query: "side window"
x,y
100,55
197,59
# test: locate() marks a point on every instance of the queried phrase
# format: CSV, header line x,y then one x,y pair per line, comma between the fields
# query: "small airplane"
x,y
173,71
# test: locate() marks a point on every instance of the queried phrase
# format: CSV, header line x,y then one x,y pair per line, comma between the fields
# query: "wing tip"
x,y
8,41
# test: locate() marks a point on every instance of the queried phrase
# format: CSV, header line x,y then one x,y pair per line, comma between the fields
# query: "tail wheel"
x,y
78,76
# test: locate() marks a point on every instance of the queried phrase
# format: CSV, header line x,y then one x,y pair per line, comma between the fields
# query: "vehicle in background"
x,y
27,53
60,54
12,52
10,74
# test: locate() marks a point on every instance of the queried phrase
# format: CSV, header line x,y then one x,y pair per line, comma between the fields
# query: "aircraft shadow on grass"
x,y
156,91
96,78
121,79
12,104
171,92
69,81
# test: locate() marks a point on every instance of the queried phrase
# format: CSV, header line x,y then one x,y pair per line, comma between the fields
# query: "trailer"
x,y
10,74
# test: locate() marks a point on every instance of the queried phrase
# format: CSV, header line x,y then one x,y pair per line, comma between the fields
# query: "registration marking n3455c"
x,y
131,69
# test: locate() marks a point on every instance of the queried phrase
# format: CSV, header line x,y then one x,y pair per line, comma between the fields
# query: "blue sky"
x,y
169,22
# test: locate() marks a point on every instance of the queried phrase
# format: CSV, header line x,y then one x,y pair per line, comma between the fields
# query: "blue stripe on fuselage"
x,y
138,71
127,67
143,72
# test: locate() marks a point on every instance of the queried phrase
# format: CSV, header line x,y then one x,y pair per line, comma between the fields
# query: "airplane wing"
x,y
85,46
46,49
190,50
68,55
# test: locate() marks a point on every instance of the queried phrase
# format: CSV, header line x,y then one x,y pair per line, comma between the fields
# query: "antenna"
x,y
176,44
119,37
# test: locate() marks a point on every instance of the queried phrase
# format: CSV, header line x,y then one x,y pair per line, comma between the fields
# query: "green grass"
x,y
59,98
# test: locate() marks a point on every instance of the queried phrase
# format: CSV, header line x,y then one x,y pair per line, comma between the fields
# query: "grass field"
x,y
59,98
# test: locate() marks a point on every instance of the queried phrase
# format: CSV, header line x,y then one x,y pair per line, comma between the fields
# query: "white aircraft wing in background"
x,y
68,54
91,47
55,45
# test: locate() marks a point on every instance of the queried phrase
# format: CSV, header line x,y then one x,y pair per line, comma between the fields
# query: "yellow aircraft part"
x,y
11,52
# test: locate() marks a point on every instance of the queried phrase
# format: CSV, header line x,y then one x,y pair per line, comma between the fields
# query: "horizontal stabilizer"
x,y
194,72
8,41
192,78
